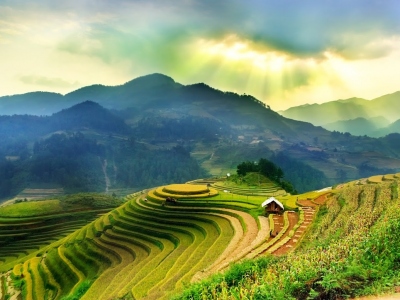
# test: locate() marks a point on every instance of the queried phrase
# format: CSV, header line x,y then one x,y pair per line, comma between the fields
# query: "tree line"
x,y
269,170
75,162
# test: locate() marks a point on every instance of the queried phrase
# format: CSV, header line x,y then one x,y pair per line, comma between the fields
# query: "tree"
x,y
245,167
269,169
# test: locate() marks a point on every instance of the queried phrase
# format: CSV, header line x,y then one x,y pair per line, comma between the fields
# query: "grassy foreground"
x,y
352,249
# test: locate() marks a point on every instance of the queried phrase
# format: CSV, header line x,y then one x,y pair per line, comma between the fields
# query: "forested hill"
x,y
85,115
157,92
212,129
92,115
84,148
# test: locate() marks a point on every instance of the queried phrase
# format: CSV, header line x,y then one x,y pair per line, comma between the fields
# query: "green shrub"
x,y
79,291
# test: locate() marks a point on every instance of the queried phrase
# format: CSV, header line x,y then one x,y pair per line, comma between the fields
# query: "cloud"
x,y
305,28
284,46
47,82
302,28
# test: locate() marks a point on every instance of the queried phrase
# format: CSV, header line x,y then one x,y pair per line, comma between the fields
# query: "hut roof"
x,y
272,199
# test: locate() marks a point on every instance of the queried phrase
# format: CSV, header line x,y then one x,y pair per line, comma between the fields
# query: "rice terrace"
x,y
171,241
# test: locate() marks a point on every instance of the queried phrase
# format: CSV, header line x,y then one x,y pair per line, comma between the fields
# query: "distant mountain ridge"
x,y
143,90
33,103
360,126
355,115
387,106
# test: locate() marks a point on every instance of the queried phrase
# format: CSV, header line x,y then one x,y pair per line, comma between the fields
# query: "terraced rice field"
x,y
150,248
266,190
39,193
26,236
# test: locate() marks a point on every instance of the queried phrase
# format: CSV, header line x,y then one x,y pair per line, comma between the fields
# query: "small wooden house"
x,y
272,205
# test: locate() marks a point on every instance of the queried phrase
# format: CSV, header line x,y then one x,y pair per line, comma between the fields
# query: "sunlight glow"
x,y
235,50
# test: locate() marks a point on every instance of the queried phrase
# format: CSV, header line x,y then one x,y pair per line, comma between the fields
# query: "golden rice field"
x,y
375,179
183,189
147,248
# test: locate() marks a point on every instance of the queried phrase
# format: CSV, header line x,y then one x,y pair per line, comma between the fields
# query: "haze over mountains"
x,y
376,117
153,130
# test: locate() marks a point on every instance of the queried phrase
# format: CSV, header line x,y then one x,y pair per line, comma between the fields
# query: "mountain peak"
x,y
92,115
154,79
82,108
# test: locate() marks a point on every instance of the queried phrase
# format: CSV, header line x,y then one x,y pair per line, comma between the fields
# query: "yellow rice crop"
x,y
162,193
375,179
389,177
17,270
28,281
38,284
186,188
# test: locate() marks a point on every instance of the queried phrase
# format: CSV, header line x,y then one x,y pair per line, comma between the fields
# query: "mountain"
x,y
154,93
89,114
329,112
35,103
84,115
84,148
359,126
392,128
152,130
387,106
140,92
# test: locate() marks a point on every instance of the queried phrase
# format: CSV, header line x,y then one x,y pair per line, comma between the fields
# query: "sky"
x,y
283,52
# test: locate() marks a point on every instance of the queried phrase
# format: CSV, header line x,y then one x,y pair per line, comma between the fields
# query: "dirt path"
x,y
308,217
293,219
321,199
308,203
106,178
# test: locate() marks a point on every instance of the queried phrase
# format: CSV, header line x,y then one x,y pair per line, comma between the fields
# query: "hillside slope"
x,y
350,250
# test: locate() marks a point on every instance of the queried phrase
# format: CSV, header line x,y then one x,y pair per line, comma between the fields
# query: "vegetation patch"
x,y
351,250
31,208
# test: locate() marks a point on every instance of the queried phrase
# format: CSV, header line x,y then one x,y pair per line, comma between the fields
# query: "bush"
x,y
80,291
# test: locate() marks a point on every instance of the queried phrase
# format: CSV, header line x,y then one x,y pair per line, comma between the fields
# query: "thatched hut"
x,y
272,205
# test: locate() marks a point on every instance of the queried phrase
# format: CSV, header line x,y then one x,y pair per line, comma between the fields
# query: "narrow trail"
x,y
293,219
106,178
